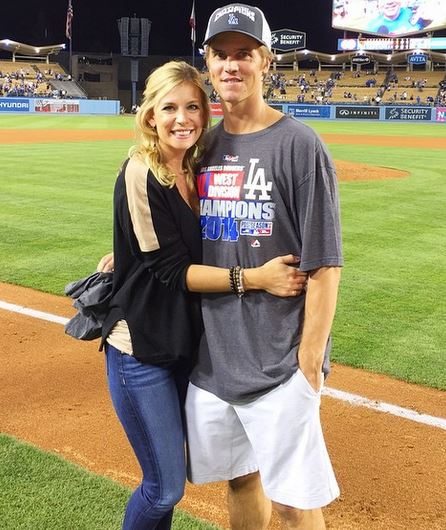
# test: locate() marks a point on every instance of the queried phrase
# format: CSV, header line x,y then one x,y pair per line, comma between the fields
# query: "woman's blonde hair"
x,y
159,83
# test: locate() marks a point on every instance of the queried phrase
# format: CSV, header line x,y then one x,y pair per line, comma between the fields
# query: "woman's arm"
x,y
278,276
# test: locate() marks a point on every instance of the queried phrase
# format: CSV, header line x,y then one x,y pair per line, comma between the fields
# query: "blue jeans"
x,y
149,402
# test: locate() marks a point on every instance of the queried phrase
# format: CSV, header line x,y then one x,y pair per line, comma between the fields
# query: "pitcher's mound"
x,y
352,171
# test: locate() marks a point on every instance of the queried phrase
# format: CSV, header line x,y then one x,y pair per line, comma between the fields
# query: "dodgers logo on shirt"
x,y
234,202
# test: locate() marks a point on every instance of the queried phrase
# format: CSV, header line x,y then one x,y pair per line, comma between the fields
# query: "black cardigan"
x,y
156,236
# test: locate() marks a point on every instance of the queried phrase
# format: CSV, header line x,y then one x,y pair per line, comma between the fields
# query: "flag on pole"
x,y
192,23
69,19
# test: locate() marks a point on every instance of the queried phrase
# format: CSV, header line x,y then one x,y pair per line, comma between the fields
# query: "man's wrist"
x,y
252,279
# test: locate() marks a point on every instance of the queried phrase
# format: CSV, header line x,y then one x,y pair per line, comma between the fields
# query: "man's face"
x,y
390,8
236,67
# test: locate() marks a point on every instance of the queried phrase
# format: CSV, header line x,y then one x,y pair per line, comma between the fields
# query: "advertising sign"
x,y
397,44
309,111
216,109
389,17
286,40
441,114
417,58
357,113
57,105
409,113
14,105
360,59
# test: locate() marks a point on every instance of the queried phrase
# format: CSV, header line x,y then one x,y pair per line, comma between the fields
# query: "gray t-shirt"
x,y
262,194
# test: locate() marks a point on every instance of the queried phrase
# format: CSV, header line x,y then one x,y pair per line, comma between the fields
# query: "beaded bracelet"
x,y
236,280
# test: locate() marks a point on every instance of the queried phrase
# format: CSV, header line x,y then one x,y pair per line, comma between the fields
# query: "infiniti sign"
x,y
357,113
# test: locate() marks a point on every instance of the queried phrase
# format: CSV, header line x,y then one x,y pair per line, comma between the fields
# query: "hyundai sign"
x,y
14,105
287,40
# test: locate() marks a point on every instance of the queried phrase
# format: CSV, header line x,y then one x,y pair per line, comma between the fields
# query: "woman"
x,y
153,325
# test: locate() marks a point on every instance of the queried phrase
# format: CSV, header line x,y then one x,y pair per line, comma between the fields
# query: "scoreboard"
x,y
392,44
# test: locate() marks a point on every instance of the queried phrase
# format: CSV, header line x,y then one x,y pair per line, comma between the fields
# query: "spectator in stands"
x,y
394,19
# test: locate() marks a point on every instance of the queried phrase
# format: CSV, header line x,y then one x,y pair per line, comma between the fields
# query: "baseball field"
x,y
64,462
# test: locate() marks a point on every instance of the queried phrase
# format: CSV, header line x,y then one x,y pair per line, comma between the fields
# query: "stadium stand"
x,y
304,76
366,87
34,79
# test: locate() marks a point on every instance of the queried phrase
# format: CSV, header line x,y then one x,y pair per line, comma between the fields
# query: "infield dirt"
x,y
391,471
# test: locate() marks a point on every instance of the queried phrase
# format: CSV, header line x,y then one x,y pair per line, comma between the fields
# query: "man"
x,y
267,186
393,19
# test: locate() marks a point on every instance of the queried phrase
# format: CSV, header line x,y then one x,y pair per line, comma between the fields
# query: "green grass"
x,y
40,491
56,218
379,128
54,121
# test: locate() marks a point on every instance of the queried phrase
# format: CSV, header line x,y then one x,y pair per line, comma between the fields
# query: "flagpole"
x,y
192,23
71,58
69,32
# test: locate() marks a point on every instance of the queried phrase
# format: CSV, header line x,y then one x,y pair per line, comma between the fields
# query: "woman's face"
x,y
179,118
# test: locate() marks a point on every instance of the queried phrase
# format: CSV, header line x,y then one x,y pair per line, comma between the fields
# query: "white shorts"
x,y
279,434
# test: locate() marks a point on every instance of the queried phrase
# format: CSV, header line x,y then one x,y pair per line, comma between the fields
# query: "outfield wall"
x,y
327,112
411,113
57,106
364,112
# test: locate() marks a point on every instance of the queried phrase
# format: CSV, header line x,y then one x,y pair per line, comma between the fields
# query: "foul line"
x,y
352,399
380,406
33,313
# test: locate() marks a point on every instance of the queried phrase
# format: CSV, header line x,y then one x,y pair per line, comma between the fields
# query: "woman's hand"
x,y
279,276
107,263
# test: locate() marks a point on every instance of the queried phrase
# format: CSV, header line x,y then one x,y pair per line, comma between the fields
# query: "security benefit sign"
x,y
287,40
357,113
409,113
